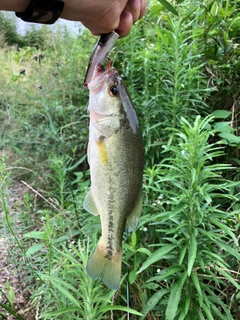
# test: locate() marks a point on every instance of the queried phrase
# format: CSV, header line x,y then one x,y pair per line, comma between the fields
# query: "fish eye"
x,y
113,90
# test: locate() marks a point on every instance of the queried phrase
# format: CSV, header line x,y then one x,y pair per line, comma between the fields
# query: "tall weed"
x,y
195,257
165,73
219,35
45,110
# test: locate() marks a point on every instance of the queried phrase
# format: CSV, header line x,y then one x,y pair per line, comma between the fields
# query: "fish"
x,y
115,157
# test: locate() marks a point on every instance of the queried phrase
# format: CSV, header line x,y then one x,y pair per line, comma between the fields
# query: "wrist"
x,y
44,12
74,10
14,5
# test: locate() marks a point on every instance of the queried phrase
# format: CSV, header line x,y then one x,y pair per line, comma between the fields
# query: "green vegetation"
x,y
182,262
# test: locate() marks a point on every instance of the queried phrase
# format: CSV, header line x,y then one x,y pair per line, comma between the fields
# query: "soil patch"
x,y
11,279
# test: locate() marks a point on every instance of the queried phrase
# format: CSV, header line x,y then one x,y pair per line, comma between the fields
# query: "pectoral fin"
x,y
102,152
89,204
133,219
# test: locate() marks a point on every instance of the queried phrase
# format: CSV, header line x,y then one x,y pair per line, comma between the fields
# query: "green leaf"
x,y
223,126
175,296
228,248
196,283
127,246
219,313
182,254
225,228
121,308
132,276
185,309
34,248
221,114
3,316
153,301
77,163
156,255
134,239
168,6
150,285
59,285
177,209
34,235
144,250
230,137
207,312
215,307
11,311
165,273
11,295
61,311
228,276
192,253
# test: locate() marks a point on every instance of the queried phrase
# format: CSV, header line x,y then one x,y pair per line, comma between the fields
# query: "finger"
x,y
143,8
125,24
99,31
134,7
101,28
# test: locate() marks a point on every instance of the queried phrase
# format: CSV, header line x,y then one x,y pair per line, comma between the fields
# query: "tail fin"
x,y
107,269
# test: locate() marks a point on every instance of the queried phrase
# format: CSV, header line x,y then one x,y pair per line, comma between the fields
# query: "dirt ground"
x,y
12,280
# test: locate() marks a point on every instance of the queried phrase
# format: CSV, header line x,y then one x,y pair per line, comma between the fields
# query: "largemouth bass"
x,y
115,156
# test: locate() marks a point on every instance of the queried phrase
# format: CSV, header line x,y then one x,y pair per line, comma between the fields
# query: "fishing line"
x,y
127,285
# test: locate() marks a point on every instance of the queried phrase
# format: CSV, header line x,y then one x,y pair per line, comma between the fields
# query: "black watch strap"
x,y
42,11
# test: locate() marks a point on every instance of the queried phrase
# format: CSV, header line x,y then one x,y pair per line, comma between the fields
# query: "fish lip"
x,y
100,74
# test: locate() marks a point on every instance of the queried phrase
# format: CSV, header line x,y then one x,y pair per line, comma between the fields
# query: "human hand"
x,y
106,15
101,16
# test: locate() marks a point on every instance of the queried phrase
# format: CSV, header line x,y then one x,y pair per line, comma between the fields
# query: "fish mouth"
x,y
100,75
